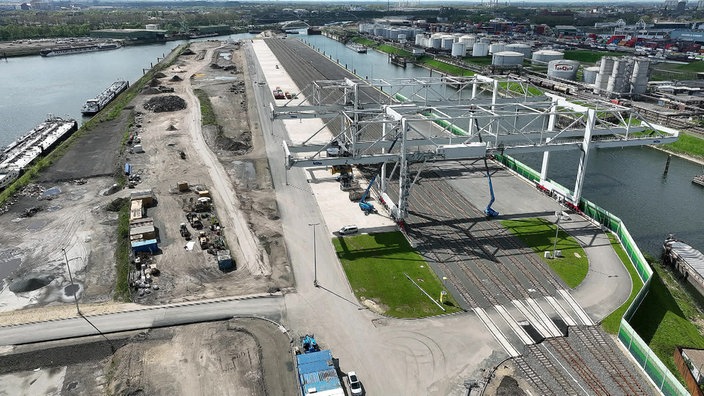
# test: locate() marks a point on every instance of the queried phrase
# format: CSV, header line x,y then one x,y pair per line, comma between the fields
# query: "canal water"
x,y
627,182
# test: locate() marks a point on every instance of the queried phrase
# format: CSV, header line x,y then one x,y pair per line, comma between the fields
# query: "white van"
x,y
348,229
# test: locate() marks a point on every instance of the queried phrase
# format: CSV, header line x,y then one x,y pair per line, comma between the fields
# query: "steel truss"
x,y
421,120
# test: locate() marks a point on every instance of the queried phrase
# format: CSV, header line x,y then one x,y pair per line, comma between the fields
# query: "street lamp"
x,y
557,230
315,257
70,277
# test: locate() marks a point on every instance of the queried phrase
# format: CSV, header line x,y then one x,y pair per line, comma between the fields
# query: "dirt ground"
x,y
240,356
72,220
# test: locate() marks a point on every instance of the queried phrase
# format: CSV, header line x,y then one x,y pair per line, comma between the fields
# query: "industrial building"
x,y
131,36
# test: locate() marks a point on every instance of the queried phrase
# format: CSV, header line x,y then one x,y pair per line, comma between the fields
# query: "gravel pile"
x,y
166,103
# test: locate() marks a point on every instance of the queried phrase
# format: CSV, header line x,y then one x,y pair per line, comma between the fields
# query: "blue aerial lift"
x,y
489,211
367,207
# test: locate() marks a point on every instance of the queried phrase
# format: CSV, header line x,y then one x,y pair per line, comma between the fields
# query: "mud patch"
x,y
29,284
165,103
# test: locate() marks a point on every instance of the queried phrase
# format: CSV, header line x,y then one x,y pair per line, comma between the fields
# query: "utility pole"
x,y
315,257
70,277
557,230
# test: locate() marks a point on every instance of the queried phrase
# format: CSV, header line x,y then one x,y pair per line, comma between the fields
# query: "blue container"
x,y
128,168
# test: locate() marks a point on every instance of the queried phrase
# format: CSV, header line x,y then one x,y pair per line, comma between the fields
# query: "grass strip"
x,y
206,108
687,144
376,265
539,235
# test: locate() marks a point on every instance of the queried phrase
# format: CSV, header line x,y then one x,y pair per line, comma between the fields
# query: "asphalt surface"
x,y
269,307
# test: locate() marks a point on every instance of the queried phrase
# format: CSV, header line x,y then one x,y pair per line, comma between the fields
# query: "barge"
x,y
698,180
79,49
686,260
359,48
93,106
20,154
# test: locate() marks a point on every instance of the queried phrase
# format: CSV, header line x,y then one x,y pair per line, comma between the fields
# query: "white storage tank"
x,y
468,40
605,68
639,78
564,69
497,47
590,73
480,49
402,37
459,49
447,41
419,39
435,42
542,57
618,80
522,48
485,40
507,58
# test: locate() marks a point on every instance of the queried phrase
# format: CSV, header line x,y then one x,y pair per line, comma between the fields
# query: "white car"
x,y
355,385
348,229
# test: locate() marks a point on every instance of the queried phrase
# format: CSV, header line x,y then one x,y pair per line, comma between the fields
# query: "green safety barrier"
x,y
663,379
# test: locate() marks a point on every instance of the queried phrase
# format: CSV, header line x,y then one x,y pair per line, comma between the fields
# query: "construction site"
x,y
231,216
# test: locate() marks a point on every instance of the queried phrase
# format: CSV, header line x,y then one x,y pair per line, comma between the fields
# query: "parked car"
x,y
355,385
348,229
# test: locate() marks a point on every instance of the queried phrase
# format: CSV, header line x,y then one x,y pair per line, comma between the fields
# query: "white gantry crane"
x,y
399,123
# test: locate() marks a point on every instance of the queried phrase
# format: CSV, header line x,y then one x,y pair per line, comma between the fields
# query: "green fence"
x,y
639,349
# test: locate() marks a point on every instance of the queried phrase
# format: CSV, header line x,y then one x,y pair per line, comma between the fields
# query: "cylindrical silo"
x,y
435,41
590,74
639,78
459,49
542,57
480,49
602,79
618,80
497,47
519,47
485,40
564,69
468,40
419,39
507,58
446,42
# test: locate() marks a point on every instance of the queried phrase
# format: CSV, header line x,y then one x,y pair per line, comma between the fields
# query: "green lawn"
x,y
612,322
447,68
376,265
588,56
539,235
664,319
687,144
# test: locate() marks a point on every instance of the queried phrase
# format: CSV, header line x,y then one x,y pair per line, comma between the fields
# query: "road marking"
x,y
560,311
576,308
531,318
549,324
520,332
496,332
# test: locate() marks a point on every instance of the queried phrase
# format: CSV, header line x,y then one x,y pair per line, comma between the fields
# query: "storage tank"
x,y
497,47
468,40
564,69
605,68
485,40
522,48
435,41
459,49
480,49
618,80
447,42
590,73
402,37
419,39
542,57
639,78
507,58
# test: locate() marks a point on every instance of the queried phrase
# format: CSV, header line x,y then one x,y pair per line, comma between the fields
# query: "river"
x,y
627,182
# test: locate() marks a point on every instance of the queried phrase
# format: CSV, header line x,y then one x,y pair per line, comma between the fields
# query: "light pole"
x,y
70,277
315,257
557,230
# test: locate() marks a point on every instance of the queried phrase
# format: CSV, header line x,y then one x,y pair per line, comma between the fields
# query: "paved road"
x,y
270,307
